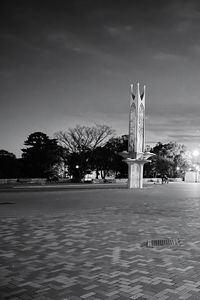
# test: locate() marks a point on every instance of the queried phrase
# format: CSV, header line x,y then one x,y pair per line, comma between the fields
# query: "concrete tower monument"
x,y
136,156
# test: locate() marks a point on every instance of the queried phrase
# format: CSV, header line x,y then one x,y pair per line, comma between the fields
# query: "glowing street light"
x,y
195,153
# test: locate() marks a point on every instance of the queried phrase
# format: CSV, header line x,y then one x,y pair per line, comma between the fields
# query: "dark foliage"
x,y
41,156
9,165
171,159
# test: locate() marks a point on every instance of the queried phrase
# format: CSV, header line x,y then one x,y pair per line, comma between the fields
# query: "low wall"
x,y
111,180
159,180
145,180
150,180
108,180
121,180
23,181
8,181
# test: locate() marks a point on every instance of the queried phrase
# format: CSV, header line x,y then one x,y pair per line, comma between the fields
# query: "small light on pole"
x,y
195,153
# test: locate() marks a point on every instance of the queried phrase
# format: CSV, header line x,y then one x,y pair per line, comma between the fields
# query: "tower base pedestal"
x,y
135,172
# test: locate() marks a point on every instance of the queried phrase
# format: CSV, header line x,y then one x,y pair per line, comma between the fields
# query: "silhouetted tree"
x,y
117,145
79,164
81,143
84,137
106,160
41,156
9,165
168,157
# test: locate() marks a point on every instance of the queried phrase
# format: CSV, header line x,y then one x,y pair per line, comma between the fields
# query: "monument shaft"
x,y
136,122
136,156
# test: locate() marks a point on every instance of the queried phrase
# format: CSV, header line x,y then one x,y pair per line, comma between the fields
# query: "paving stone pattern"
x,y
97,254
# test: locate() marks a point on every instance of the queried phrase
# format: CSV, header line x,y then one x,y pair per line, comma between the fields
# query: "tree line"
x,y
83,149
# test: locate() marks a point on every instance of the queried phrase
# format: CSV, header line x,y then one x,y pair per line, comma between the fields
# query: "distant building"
x,y
192,176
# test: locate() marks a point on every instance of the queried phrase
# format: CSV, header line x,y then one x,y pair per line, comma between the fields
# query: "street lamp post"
x,y
177,171
195,154
78,172
197,174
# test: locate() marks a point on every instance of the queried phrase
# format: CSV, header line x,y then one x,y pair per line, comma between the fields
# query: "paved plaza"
x,y
98,243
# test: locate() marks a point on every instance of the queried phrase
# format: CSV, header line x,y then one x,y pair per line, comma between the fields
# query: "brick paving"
x,y
100,253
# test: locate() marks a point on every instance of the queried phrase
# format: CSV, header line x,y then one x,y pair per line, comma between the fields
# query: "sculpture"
x,y
136,156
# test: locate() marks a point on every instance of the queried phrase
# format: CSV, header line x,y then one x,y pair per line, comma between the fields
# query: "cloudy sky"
x,y
64,63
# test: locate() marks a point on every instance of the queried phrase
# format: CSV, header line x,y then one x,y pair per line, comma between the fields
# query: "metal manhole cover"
x,y
162,243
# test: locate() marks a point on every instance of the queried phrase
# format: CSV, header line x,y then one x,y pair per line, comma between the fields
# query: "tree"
x,y
117,145
41,155
81,143
78,164
169,158
106,159
8,165
101,161
83,137
164,166
182,163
